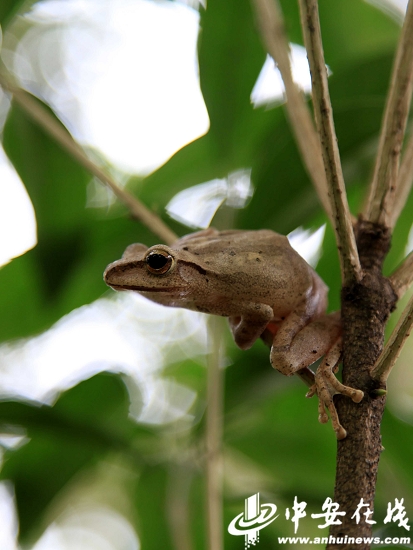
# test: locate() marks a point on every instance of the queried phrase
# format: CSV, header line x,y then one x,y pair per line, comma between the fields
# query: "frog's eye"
x,y
159,261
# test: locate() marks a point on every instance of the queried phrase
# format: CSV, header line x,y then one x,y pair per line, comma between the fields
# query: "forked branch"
x,y
404,183
384,186
350,264
392,349
326,176
402,277
271,26
46,121
401,280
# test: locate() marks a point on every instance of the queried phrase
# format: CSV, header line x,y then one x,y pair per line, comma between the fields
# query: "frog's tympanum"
x,y
261,284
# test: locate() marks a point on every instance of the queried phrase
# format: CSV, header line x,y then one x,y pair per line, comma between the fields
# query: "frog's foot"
x,y
326,386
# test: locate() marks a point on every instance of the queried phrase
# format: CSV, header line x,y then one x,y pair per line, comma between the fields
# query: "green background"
x,y
270,430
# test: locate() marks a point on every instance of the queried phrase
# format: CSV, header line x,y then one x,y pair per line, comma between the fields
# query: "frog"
x,y
265,289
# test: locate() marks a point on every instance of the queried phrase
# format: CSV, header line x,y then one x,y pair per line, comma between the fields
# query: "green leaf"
x,y
65,269
274,426
55,182
9,8
87,422
227,79
22,303
353,30
151,503
241,136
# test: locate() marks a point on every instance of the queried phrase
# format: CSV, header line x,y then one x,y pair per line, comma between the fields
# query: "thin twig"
x,y
350,264
394,346
404,183
402,277
271,26
44,119
384,184
214,431
178,506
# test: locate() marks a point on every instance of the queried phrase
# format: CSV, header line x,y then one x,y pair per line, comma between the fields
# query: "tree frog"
x,y
264,287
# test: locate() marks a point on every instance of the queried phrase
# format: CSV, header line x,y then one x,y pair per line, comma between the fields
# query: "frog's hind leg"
x,y
291,353
321,337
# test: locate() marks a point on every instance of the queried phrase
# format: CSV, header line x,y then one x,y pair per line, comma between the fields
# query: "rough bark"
x,y
365,309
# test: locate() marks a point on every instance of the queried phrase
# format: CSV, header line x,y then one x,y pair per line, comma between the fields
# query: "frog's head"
x,y
150,271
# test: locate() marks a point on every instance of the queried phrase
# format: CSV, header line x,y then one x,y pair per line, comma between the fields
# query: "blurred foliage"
x,y
273,442
8,8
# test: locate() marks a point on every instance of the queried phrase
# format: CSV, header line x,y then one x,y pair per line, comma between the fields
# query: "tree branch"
x,y
46,121
214,433
365,309
271,27
402,277
394,345
350,264
380,202
404,183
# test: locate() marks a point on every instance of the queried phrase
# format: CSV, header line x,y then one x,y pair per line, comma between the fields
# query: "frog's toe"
x,y
335,421
322,415
312,391
325,401
341,432
357,395
326,386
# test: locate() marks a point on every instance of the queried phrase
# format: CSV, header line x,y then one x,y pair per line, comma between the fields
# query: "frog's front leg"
x,y
320,337
249,326
326,386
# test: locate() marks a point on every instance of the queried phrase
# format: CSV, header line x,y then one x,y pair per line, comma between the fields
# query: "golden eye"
x,y
159,262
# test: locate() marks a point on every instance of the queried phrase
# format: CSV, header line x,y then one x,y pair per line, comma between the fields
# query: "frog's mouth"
x,y
138,288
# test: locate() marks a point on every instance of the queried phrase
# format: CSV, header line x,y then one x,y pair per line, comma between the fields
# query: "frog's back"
x,y
211,241
261,262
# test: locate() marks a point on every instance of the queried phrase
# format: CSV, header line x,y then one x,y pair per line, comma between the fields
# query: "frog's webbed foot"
x,y
326,386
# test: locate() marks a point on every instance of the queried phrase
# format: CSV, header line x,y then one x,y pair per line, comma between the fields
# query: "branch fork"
x,y
319,150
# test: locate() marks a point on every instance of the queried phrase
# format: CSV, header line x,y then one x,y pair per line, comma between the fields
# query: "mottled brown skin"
x,y
258,281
